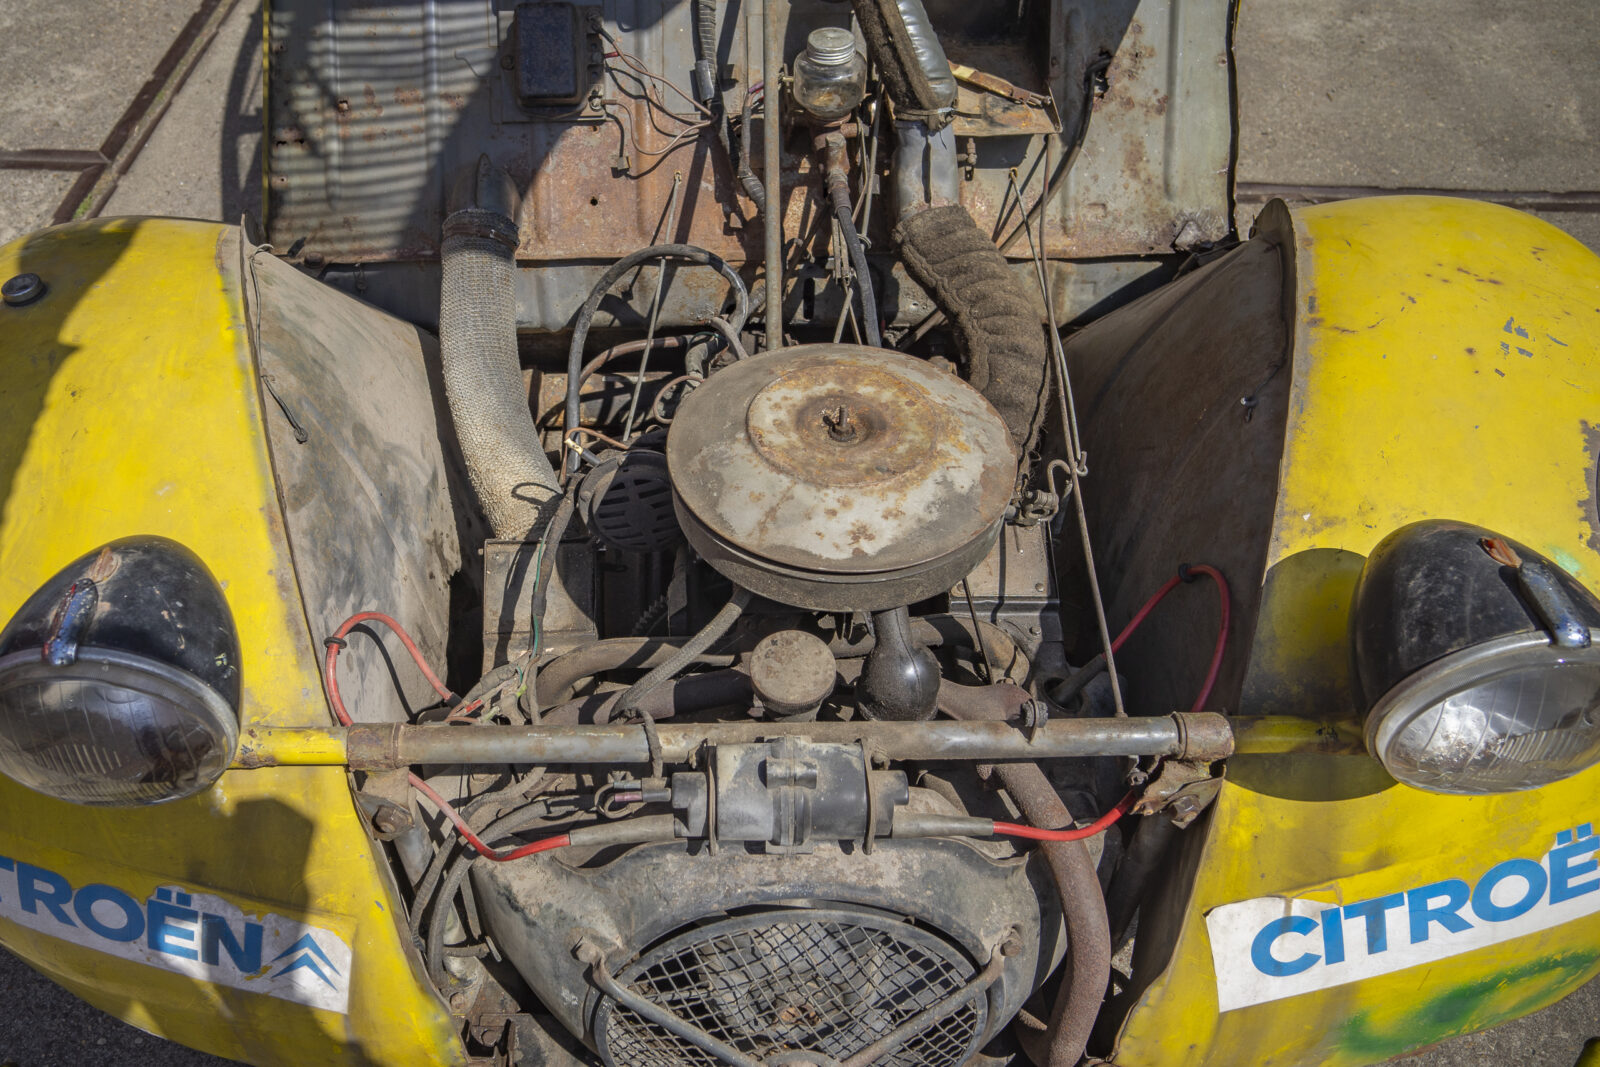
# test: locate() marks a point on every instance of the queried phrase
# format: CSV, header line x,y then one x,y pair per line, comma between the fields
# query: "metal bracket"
x,y
1182,789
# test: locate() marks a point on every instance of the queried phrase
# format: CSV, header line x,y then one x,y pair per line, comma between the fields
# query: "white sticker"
x,y
196,934
1275,947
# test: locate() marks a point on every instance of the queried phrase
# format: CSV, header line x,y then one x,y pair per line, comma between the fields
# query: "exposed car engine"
x,y
770,561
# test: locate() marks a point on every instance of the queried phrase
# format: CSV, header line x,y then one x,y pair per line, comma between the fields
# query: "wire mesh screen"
x,y
803,980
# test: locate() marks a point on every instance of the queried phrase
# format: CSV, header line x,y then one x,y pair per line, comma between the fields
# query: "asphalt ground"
x,y
1450,94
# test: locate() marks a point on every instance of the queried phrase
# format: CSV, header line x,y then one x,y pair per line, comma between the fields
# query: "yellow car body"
x,y
1443,365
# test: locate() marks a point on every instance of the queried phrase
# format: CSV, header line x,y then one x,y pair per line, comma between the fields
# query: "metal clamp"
x,y
872,805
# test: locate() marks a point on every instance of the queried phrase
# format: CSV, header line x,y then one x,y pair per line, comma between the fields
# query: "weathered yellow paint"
x,y
128,405
291,746
1447,364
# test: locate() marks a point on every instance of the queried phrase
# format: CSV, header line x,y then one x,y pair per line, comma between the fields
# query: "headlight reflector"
x,y
1476,659
119,681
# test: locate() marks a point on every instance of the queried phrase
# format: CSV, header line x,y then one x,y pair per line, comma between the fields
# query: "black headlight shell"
x,y
119,678
1476,660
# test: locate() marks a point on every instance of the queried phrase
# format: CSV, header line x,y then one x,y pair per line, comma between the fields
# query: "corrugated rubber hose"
x,y
996,324
515,483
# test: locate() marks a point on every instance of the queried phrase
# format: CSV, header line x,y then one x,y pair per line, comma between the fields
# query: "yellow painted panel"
x,y
1446,365
129,405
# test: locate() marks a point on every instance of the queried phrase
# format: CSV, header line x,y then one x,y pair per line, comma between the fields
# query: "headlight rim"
x,y
27,665
1475,665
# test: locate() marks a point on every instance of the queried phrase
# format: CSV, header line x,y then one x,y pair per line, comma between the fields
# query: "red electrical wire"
x,y
544,845
1033,833
336,644
1222,624
1005,829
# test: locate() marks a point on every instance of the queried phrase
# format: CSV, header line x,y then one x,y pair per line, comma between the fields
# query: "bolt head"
x,y
458,1001
22,289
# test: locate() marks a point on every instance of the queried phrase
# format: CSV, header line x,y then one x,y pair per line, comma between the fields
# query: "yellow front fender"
x,y
1445,364
129,404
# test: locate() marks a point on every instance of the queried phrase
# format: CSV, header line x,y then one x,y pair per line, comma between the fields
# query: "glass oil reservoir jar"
x,y
830,76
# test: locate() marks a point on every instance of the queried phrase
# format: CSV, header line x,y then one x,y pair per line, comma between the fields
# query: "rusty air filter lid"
x,y
837,478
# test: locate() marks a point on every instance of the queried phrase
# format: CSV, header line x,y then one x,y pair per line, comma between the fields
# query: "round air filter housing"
x,y
840,478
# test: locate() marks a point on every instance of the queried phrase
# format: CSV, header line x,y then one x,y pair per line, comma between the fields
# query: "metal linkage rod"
x,y
1190,736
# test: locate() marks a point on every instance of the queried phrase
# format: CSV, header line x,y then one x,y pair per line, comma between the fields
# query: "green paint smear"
x,y
1466,1009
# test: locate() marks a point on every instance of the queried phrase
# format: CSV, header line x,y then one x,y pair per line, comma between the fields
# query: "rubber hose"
x,y
839,193
996,324
562,674
1083,906
483,383
705,46
713,631
691,693
580,326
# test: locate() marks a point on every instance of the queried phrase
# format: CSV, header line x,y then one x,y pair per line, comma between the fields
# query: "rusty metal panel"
x,y
1154,168
373,107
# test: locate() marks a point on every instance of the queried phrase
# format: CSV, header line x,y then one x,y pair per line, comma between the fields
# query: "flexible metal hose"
x,y
509,471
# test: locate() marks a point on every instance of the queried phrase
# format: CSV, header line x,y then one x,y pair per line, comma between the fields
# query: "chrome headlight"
x,y
119,679
1477,661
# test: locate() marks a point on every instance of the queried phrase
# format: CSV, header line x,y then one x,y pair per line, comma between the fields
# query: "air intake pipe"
x,y
997,324
513,478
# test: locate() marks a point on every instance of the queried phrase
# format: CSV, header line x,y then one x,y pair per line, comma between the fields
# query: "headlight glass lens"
x,y
111,729
1512,714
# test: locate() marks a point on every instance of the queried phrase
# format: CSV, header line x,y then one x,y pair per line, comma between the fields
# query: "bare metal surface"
x,y
1153,170
772,225
370,104
386,746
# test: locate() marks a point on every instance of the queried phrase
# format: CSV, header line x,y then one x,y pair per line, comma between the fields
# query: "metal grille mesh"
x,y
829,981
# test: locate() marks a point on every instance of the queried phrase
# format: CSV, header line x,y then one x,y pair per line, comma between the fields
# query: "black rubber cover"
x,y
152,597
1430,589
900,679
997,326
